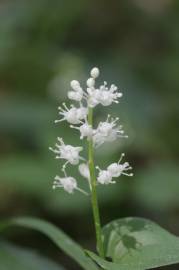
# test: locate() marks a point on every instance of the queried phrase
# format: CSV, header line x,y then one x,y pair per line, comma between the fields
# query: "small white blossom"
x,y
68,183
113,170
108,131
72,115
75,85
90,82
93,97
104,177
116,169
82,113
77,93
94,72
102,95
85,130
67,152
84,170
108,95
93,94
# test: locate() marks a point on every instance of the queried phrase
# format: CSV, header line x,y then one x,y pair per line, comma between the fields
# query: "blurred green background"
x,y
43,46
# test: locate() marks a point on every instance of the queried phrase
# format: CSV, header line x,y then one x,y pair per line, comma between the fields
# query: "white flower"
x,y
84,170
116,169
108,96
68,183
67,152
85,130
75,85
93,94
107,131
113,170
77,96
104,177
77,93
120,169
93,98
72,115
90,82
82,113
94,72
104,95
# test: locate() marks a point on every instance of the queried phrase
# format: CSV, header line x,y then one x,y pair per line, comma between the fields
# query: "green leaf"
x,y
16,258
62,241
104,264
138,242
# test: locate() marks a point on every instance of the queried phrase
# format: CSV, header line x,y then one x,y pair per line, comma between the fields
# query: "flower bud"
x,y
84,170
77,96
75,85
90,82
94,72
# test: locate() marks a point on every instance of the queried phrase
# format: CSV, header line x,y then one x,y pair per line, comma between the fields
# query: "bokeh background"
x,y
43,46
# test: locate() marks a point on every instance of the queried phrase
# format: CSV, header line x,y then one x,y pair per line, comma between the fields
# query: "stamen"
x,y
64,171
64,166
60,120
98,168
128,174
60,140
74,127
82,191
115,120
53,150
121,157
108,118
65,106
129,168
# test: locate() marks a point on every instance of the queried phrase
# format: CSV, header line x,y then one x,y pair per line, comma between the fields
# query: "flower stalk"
x,y
94,198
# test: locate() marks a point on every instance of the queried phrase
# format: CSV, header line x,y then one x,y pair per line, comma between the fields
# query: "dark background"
x,y
45,44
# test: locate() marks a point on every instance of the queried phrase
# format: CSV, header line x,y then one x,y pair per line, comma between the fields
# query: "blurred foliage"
x,y
12,257
44,45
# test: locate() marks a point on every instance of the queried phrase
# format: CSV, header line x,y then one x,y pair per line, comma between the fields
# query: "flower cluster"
x,y
107,131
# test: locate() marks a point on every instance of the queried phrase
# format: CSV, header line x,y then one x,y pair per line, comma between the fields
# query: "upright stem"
x,y
94,199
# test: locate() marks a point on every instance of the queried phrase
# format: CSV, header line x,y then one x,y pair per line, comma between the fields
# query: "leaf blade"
x,y
141,243
61,240
110,265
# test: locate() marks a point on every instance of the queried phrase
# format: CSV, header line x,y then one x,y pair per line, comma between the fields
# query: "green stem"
x,y
94,199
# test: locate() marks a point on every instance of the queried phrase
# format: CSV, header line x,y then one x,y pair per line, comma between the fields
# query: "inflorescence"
x,y
107,131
